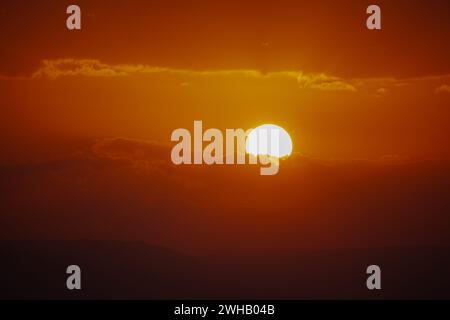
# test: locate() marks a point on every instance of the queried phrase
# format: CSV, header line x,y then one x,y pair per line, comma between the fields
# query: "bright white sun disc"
x,y
269,139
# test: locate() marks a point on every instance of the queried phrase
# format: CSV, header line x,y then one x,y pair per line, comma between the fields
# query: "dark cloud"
x,y
129,149
123,189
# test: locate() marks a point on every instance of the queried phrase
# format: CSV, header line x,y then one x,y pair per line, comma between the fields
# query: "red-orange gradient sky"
x,y
86,117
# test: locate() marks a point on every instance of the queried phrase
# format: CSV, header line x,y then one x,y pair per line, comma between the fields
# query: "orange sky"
x,y
314,36
340,90
139,69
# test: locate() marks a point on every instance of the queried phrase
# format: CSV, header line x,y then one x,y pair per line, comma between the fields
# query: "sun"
x,y
270,140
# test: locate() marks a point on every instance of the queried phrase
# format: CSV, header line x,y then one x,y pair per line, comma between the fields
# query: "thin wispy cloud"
x,y
445,88
379,86
53,69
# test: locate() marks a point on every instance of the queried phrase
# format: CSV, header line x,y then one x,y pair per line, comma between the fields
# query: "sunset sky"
x,y
142,69
86,118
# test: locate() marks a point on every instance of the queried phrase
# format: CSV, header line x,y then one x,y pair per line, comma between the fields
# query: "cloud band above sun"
x,y
69,67
53,69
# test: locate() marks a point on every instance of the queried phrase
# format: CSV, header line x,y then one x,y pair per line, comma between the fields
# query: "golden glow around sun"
x,y
270,140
